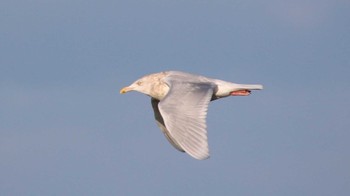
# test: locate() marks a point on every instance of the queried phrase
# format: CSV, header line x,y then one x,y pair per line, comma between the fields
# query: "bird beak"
x,y
125,90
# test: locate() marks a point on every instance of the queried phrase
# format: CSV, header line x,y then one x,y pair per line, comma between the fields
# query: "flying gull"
x,y
180,103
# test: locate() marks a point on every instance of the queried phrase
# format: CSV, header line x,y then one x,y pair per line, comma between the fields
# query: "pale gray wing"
x,y
161,125
184,111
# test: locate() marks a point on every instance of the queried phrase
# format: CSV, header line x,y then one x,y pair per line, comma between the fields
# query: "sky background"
x,y
66,130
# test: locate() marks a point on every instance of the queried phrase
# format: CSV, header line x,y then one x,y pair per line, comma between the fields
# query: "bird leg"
x,y
240,93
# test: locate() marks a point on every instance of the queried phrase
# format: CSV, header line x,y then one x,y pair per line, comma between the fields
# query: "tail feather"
x,y
250,86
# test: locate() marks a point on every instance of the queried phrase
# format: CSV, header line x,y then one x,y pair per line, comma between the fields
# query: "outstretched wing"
x,y
161,125
184,111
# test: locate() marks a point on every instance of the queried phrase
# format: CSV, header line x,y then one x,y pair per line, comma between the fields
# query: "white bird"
x,y
180,103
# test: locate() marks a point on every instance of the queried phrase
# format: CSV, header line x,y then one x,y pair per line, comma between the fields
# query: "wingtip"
x,y
202,158
200,155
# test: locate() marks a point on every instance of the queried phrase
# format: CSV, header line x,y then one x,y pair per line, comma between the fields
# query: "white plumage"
x,y
180,103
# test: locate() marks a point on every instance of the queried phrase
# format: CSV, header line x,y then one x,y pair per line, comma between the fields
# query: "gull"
x,y
180,103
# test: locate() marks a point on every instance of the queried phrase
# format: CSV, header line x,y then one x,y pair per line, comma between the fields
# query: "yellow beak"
x,y
125,90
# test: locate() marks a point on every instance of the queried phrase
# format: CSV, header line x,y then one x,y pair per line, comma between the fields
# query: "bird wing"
x,y
184,111
161,125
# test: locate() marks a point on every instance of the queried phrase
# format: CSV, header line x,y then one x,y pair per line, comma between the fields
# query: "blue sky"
x,y
66,130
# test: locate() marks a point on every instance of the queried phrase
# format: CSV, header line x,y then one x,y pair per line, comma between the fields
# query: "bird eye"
x,y
139,83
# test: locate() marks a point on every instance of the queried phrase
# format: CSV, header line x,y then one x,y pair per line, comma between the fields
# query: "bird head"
x,y
151,85
143,85
138,85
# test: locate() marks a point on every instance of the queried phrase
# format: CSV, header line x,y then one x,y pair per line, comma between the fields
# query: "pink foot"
x,y
240,93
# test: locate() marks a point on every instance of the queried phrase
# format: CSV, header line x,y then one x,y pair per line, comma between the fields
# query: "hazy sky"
x,y
66,130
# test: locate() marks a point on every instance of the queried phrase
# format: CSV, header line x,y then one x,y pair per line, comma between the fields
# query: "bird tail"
x,y
249,86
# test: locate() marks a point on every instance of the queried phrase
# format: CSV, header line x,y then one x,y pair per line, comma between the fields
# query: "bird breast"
x,y
159,90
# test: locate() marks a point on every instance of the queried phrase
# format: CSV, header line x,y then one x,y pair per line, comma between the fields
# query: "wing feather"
x,y
161,125
184,111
